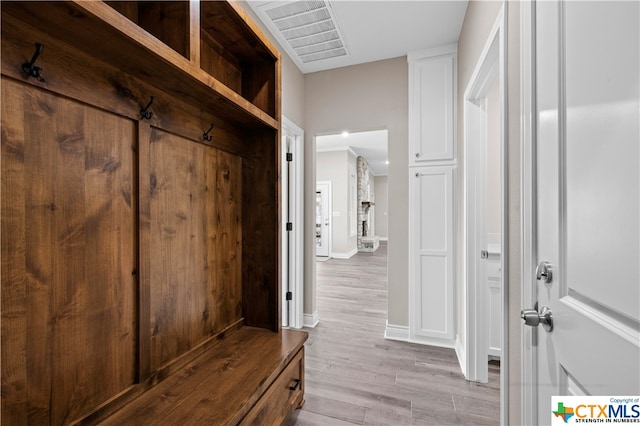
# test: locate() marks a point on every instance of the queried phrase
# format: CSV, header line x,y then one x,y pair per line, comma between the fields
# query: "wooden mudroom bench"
x,y
253,376
141,217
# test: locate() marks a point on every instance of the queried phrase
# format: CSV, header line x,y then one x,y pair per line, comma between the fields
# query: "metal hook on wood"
x,y
144,112
29,67
206,136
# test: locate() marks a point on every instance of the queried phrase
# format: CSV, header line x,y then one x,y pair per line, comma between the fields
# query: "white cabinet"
x,y
493,293
431,262
431,108
432,166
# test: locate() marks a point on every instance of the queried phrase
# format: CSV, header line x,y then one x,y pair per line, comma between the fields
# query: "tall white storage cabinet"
x,y
432,163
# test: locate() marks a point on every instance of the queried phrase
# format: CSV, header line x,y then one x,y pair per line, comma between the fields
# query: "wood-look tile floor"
x,y
355,376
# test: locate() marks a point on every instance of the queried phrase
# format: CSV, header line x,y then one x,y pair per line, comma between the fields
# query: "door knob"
x,y
543,272
533,318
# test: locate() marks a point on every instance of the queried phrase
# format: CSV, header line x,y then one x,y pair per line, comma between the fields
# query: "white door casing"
x,y
489,71
581,161
292,190
323,219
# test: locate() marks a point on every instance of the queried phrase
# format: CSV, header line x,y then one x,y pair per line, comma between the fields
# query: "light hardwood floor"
x,y
355,376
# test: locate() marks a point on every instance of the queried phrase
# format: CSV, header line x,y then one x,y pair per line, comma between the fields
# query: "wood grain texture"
x,y
221,386
233,59
261,230
125,258
129,48
73,73
355,376
220,63
168,21
13,253
79,252
194,242
282,397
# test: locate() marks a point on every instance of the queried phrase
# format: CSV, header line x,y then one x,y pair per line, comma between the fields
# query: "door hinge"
x,y
289,156
289,295
289,226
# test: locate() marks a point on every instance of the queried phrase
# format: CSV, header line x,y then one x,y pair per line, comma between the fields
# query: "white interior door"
x,y
323,216
588,200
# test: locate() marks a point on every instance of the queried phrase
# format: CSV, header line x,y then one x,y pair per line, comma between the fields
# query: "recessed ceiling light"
x,y
386,162
345,134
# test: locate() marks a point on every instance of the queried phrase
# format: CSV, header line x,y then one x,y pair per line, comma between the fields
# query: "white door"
x,y
322,219
588,200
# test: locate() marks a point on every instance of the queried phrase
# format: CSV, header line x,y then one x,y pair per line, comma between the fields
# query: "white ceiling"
x,y
371,145
374,30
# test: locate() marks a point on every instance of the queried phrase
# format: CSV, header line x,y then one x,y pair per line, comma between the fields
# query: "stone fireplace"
x,y
367,240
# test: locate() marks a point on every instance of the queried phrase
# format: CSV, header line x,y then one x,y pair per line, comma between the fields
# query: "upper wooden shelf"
x,y
159,42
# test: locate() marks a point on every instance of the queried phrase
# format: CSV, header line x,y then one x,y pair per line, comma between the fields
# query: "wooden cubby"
x,y
135,250
168,21
232,53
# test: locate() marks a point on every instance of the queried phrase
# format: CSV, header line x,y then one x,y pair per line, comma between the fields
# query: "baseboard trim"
x,y
432,341
383,238
311,320
396,332
460,353
347,255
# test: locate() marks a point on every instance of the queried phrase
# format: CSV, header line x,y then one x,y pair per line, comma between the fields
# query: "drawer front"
x,y
283,396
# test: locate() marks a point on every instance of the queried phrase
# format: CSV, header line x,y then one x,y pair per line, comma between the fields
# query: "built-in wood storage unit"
x,y
140,218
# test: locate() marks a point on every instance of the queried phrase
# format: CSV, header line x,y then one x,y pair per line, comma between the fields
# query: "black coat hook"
x,y
206,136
144,112
29,67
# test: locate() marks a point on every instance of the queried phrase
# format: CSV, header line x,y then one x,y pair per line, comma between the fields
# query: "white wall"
x,y
382,206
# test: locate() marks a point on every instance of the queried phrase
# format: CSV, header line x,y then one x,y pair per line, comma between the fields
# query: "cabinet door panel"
x,y
432,110
431,255
68,256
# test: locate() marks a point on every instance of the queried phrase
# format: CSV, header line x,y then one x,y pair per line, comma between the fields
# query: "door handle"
x,y
543,272
533,318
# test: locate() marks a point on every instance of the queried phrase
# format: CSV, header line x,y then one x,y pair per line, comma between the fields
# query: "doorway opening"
x,y
352,168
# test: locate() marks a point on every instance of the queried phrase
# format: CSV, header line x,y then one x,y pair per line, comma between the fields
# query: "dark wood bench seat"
x,y
253,376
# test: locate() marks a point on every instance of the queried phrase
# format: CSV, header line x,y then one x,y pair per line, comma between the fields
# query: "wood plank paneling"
x,y
261,227
123,239
13,252
79,301
227,239
195,250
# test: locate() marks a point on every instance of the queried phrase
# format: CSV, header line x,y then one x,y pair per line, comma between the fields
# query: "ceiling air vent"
x,y
307,29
